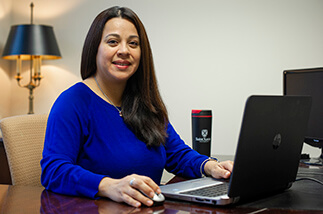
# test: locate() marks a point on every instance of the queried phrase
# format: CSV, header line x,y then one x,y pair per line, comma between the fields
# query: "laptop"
x,y
267,155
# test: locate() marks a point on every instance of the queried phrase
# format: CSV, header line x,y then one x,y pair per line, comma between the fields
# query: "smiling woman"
x,y
86,139
118,55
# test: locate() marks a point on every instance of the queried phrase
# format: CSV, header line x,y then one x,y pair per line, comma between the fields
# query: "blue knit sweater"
x,y
87,140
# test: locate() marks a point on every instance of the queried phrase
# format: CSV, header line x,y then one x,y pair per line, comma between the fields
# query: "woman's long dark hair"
x,y
142,107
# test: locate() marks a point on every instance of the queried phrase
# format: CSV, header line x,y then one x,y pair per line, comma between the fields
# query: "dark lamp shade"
x,y
31,40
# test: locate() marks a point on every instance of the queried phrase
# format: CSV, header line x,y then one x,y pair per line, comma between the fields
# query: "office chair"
x,y
23,139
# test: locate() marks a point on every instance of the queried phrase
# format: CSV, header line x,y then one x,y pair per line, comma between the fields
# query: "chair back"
x,y
23,139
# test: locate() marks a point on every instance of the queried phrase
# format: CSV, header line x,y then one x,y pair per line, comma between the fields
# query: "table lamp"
x,y
34,43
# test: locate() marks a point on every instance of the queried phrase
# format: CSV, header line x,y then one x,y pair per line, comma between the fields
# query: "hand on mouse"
x,y
128,189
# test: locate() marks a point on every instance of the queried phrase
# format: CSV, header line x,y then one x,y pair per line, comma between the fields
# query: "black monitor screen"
x,y
308,82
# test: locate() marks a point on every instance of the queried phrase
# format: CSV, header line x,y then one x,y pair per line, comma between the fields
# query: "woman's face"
x,y
119,51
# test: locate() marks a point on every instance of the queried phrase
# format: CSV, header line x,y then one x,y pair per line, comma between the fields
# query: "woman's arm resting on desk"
x,y
127,189
218,169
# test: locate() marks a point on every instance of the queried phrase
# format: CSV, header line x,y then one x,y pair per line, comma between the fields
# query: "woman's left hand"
x,y
218,169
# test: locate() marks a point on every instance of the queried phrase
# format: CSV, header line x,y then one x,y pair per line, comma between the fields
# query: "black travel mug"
x,y
201,131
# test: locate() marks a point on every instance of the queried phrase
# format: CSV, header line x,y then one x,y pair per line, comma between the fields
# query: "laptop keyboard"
x,y
210,191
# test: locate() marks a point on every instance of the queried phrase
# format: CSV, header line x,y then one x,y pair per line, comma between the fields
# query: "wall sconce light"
x,y
34,43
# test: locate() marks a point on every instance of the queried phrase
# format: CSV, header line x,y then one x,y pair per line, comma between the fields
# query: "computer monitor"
x,y
309,82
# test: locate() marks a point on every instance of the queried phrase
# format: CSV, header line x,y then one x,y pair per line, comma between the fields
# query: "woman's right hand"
x,y
128,189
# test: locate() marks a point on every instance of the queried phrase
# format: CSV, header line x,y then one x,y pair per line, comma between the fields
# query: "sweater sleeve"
x,y
66,132
181,159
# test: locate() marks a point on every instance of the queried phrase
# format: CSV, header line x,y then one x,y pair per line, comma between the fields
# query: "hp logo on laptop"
x,y
277,141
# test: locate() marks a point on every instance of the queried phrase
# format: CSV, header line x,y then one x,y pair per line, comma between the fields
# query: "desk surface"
x,y
21,199
24,199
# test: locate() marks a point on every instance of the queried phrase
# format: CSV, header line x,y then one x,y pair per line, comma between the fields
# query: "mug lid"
x,y
197,112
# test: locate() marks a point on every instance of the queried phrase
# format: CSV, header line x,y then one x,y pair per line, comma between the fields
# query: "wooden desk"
x,y
5,177
24,199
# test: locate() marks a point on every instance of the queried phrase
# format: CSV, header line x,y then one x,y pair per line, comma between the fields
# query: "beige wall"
x,y
208,54
5,75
